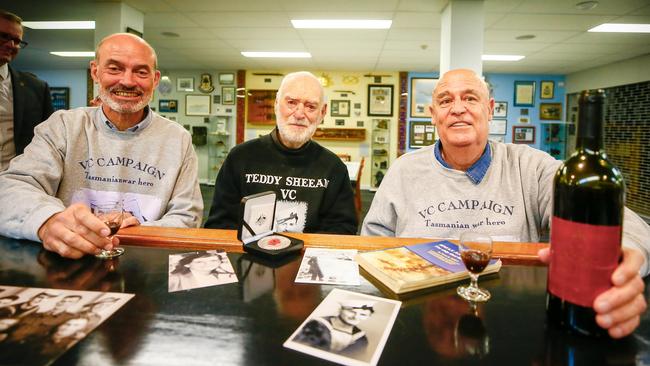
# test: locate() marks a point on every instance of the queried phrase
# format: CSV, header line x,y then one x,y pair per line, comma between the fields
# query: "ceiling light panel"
x,y
275,54
341,23
74,53
621,28
502,57
89,24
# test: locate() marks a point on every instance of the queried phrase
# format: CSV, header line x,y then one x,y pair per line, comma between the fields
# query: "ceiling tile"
x,y
416,20
557,22
253,19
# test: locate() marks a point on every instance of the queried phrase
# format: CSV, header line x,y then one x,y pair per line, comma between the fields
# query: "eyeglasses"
x,y
5,37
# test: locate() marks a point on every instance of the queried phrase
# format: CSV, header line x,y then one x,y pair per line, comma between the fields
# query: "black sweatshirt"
x,y
313,189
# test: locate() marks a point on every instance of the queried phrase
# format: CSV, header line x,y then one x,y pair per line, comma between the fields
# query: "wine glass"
x,y
112,215
475,251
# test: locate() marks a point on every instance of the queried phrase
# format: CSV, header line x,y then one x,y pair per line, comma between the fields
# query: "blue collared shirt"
x,y
140,126
477,171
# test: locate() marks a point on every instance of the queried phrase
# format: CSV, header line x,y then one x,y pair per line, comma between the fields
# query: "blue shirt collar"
x,y
140,126
477,171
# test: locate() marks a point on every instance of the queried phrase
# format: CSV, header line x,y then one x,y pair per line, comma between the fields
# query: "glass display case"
x,y
379,150
553,139
218,145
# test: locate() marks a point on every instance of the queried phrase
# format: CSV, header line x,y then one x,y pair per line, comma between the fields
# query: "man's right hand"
x,y
75,232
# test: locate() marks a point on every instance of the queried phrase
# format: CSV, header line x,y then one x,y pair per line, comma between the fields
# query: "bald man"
x,y
311,183
465,182
86,157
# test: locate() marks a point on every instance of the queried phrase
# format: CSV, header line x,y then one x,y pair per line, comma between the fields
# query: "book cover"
x,y
415,267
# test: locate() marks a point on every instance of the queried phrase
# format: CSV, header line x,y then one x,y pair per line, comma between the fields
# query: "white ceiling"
x,y
213,32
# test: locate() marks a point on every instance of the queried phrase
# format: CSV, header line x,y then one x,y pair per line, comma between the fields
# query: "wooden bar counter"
x,y
246,323
171,238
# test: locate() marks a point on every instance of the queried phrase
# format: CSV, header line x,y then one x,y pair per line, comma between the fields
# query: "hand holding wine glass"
x,y
112,215
475,251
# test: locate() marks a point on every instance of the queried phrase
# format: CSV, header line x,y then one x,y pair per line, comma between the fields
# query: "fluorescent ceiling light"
x,y
502,57
74,53
341,23
86,24
621,28
277,54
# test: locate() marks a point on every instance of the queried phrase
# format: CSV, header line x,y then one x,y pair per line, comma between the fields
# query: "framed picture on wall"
x,y
524,93
60,97
421,133
228,95
226,78
421,89
498,126
550,111
340,108
500,110
168,105
185,84
260,106
380,100
197,105
523,134
546,89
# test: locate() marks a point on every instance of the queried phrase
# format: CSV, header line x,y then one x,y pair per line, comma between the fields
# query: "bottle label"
x,y
583,258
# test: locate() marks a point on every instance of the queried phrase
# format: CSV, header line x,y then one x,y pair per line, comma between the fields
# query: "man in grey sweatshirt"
x,y
88,156
463,182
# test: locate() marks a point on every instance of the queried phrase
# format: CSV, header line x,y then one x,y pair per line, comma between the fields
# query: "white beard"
x,y
105,96
294,136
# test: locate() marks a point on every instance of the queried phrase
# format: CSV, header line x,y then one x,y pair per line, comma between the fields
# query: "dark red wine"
x,y
475,260
586,227
113,226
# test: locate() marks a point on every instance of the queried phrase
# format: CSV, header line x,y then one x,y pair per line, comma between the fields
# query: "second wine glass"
x,y
112,215
475,251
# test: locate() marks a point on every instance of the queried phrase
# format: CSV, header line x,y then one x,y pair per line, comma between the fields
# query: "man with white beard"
x,y
85,157
311,183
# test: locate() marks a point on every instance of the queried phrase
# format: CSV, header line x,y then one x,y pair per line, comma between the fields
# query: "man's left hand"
x,y
619,309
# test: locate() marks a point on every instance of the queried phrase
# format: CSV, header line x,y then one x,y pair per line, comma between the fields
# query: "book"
x,y
414,267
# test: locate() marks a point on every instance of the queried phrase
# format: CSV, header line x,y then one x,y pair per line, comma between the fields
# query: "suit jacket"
x,y
32,105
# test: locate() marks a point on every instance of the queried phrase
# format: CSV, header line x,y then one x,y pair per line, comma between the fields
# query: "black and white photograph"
x,y
37,325
500,110
348,328
329,266
199,269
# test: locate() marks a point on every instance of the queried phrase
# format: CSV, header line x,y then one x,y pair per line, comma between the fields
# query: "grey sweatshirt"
x,y
75,157
419,197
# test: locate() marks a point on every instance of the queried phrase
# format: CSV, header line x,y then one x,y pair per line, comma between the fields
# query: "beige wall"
x,y
629,71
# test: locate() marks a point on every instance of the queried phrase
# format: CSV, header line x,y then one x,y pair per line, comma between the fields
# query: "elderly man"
x,y
89,156
505,190
25,100
311,183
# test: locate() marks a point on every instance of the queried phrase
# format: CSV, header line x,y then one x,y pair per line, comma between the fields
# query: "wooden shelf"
x,y
340,134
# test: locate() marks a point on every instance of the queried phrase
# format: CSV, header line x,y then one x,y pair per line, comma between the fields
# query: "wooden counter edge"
x,y
204,239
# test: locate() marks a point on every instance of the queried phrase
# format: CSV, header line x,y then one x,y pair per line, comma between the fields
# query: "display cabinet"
x,y
218,145
553,139
379,150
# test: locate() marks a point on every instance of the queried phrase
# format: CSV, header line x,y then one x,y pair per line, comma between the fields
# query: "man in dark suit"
x,y
25,100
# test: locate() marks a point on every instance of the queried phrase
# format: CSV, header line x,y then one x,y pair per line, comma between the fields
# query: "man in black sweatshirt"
x,y
311,183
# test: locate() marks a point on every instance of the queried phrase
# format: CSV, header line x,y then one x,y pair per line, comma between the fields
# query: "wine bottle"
x,y
586,227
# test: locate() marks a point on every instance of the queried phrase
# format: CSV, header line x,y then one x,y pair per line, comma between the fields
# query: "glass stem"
x,y
474,279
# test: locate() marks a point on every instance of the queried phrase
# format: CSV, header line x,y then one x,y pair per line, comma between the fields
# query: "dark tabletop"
x,y
246,323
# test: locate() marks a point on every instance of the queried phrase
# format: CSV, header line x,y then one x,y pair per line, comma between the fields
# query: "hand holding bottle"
x,y
619,309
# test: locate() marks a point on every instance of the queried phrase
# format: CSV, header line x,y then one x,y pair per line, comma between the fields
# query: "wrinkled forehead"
x,y
455,82
125,48
10,27
302,88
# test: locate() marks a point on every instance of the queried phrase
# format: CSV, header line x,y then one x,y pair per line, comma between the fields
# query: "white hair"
x,y
301,74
